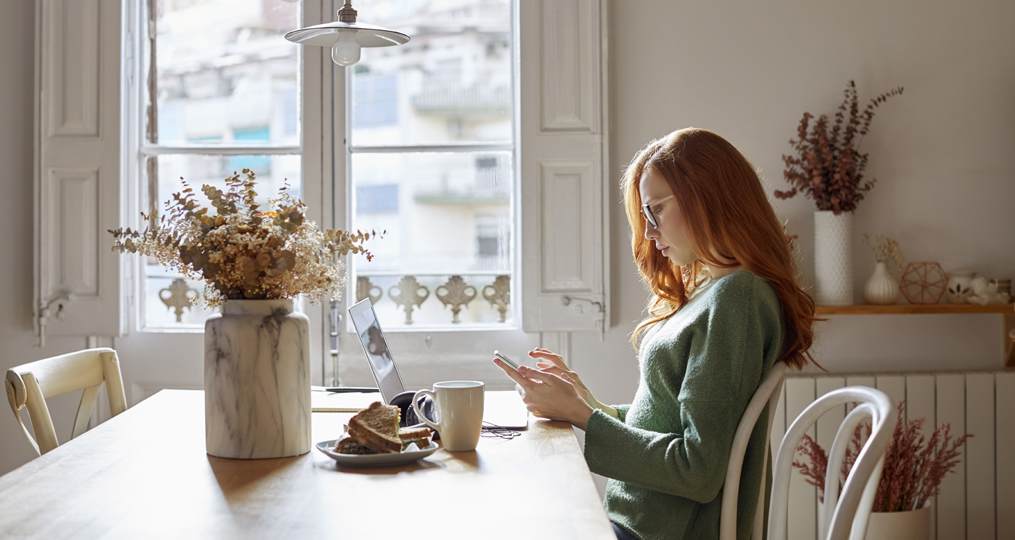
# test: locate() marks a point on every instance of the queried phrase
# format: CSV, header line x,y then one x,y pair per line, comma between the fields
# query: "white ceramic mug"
x,y
458,406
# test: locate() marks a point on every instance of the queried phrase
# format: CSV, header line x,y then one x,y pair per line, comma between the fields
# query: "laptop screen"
x,y
378,355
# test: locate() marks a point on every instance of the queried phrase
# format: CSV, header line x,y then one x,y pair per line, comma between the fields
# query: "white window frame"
x,y
561,163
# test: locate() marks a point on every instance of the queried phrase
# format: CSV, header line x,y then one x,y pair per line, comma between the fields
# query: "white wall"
x,y
944,154
17,341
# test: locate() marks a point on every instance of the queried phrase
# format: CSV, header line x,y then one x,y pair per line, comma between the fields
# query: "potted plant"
x,y
253,261
913,469
829,168
882,287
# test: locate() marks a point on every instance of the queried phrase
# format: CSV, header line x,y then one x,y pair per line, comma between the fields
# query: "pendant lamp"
x,y
346,36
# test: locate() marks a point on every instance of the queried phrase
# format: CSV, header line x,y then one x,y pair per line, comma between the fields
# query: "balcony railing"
x,y
467,186
442,94
466,299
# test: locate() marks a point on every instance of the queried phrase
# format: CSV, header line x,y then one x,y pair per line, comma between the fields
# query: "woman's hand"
x,y
550,362
548,395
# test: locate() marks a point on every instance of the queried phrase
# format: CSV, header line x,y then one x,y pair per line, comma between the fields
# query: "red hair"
x,y
728,218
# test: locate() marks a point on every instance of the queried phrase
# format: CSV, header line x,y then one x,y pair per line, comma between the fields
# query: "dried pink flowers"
x,y
827,168
241,252
914,465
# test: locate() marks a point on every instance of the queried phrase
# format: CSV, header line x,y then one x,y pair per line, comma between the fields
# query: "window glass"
x,y
450,84
446,259
222,75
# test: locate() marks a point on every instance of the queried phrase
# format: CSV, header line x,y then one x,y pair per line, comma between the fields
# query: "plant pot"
x,y
257,380
911,525
881,288
833,258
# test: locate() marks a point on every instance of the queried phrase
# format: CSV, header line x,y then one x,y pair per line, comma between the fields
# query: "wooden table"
x,y
145,474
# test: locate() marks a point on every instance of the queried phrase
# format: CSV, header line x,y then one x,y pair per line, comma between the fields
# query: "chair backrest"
x,y
29,385
767,394
850,510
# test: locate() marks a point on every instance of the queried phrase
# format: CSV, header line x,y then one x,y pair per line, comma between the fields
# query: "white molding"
x,y
569,43
77,168
566,222
70,199
565,211
72,59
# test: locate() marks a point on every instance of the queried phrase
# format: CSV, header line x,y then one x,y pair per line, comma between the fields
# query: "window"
x,y
220,93
432,161
495,189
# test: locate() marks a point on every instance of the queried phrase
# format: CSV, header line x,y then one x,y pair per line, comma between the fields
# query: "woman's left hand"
x,y
549,396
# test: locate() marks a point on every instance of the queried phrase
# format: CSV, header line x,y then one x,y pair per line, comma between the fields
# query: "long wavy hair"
x,y
728,218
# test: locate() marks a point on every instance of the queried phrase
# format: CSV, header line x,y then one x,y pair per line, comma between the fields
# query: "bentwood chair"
x,y
29,385
767,394
849,511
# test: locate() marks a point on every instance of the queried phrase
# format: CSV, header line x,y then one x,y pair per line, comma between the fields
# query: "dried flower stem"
x,y
827,168
241,252
886,250
914,465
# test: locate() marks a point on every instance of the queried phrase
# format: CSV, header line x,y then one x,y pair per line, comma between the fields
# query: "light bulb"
x,y
345,51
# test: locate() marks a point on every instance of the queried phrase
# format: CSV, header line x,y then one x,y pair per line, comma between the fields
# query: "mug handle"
x,y
419,413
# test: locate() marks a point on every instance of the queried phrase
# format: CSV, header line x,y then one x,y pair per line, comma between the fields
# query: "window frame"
x,y
138,149
561,141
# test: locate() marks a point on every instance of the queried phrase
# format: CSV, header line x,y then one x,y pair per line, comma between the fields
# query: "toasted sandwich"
x,y
374,428
418,435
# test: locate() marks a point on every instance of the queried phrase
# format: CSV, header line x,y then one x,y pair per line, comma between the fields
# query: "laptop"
x,y
509,412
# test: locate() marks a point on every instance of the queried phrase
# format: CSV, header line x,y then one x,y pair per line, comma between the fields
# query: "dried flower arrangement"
x,y
242,252
914,465
827,168
886,250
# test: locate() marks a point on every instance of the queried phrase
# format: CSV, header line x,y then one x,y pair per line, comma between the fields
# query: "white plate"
x,y
375,460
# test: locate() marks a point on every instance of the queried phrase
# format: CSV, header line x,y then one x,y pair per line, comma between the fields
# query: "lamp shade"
x,y
327,35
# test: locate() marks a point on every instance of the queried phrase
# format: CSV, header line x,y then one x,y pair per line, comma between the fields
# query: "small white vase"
x,y
257,380
911,525
960,286
881,288
833,258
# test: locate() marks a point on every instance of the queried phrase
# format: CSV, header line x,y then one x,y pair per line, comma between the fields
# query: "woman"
x,y
725,307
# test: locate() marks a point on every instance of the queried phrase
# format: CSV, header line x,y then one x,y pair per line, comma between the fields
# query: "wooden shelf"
x,y
1008,310
896,309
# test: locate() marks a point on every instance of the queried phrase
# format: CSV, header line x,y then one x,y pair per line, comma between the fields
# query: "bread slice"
x,y
420,436
377,427
349,445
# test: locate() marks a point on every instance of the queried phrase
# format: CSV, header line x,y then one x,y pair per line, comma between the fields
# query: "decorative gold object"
x,y
499,295
455,293
409,295
180,296
365,289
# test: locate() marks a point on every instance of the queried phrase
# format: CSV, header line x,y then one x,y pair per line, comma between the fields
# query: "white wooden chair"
x,y
767,394
851,510
29,385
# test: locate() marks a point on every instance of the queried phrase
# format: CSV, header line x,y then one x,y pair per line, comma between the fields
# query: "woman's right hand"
x,y
551,362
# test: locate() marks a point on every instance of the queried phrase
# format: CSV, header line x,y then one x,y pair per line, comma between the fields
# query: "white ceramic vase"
x,y
257,380
911,525
881,288
959,286
833,258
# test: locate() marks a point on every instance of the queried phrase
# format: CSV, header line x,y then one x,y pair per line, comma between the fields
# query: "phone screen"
x,y
506,360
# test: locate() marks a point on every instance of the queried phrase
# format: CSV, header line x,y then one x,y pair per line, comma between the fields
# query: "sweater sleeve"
x,y
621,411
723,370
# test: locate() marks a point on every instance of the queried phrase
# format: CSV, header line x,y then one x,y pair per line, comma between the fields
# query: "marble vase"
x,y
257,380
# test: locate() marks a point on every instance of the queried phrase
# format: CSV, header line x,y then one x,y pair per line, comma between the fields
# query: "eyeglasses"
x,y
650,216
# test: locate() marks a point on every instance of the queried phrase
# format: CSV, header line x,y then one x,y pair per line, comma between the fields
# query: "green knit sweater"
x,y
666,456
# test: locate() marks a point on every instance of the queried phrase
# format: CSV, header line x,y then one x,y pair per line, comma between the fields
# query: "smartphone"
x,y
506,360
